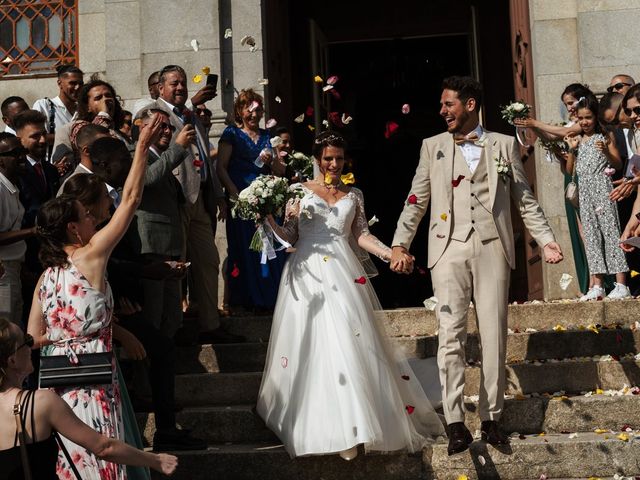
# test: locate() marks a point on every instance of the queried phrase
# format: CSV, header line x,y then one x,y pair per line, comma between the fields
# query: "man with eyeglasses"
x,y
620,84
12,235
204,197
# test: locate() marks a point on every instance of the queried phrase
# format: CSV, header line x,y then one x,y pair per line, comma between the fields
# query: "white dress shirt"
x,y
61,117
471,151
8,129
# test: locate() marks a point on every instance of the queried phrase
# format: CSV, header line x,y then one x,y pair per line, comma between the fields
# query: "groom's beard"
x,y
459,122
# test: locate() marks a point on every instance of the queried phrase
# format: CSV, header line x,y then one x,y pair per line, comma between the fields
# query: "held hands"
x,y
401,260
186,136
603,146
552,253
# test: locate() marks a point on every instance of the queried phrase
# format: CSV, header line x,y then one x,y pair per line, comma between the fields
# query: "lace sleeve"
x,y
289,229
360,231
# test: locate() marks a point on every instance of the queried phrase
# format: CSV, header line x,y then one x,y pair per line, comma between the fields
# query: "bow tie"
x,y
460,139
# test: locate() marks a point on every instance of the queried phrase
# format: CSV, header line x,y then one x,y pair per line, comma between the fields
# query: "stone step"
x,y
237,424
560,414
268,461
539,316
209,389
240,423
246,357
556,456
421,322
228,358
573,376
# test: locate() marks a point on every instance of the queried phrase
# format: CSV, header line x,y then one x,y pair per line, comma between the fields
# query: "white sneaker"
x,y
621,291
595,293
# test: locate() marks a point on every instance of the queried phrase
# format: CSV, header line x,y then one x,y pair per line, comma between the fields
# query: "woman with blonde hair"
x,y
244,152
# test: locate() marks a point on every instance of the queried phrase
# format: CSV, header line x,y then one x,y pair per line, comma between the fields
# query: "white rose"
x,y
257,192
271,184
265,194
518,107
299,156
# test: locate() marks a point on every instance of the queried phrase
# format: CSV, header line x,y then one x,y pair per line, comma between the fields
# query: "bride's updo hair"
x,y
8,344
53,218
326,139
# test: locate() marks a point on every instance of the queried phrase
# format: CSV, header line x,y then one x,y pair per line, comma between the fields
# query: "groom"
x,y
469,174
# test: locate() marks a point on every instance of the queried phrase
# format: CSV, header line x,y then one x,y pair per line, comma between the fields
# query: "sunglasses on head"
x,y
629,111
28,342
617,86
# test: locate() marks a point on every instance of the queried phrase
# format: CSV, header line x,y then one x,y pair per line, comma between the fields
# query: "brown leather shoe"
x,y
459,438
491,433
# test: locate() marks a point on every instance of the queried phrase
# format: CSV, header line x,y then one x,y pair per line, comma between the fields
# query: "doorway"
x,y
385,58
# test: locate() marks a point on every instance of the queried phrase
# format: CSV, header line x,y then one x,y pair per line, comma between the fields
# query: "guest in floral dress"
x,y
244,152
72,306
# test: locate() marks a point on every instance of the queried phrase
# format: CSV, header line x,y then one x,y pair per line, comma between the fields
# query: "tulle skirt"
x,y
332,380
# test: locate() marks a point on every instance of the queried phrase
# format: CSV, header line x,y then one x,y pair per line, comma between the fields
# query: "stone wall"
x,y
586,41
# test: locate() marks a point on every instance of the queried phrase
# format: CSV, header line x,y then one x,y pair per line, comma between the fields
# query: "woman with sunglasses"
x,y
41,414
72,307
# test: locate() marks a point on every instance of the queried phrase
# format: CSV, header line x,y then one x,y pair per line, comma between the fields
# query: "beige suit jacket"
x,y
433,182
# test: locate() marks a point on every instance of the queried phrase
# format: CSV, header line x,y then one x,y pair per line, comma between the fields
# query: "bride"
x,y
332,381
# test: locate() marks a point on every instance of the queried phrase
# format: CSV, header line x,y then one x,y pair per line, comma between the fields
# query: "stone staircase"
x,y
566,407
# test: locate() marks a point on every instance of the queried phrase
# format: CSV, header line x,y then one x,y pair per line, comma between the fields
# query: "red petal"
x,y
309,111
410,409
198,163
412,199
456,182
334,117
405,377
361,280
390,129
335,94
235,272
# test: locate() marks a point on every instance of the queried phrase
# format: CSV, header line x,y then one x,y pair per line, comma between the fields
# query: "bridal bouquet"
x,y
515,110
300,163
266,195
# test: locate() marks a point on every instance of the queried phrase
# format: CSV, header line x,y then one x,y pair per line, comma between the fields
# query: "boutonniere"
x,y
503,167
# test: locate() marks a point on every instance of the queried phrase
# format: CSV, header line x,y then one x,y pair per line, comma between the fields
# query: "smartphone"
x,y
212,79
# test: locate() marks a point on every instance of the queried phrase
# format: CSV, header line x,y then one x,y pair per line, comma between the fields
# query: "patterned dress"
x,y
599,215
78,320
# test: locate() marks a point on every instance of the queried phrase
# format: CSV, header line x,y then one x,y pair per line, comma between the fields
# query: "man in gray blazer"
x,y
159,220
469,175
204,198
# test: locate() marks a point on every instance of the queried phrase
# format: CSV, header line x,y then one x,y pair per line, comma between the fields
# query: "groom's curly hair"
x,y
466,87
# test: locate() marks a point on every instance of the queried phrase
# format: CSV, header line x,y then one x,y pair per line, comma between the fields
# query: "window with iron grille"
x,y
37,35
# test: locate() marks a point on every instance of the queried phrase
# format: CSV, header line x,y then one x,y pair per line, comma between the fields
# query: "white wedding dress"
x,y
332,380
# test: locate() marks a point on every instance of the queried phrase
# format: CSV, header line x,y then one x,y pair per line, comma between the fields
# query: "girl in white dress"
x,y
332,381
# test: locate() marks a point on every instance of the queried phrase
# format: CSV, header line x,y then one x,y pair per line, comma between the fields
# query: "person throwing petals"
x,y
468,175
332,381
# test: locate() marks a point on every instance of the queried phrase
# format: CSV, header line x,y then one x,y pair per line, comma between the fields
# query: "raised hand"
x,y
203,95
552,253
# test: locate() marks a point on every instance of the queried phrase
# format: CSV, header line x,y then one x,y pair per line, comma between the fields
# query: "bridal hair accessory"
x,y
329,138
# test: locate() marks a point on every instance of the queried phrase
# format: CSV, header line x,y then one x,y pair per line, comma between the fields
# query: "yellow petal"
x,y
599,391
463,477
348,179
624,437
325,258
443,216
559,328
541,434
206,70
328,179
634,273
318,79
197,78
311,127
600,430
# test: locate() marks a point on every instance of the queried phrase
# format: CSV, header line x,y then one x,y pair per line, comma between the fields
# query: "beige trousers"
x,y
205,261
478,271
